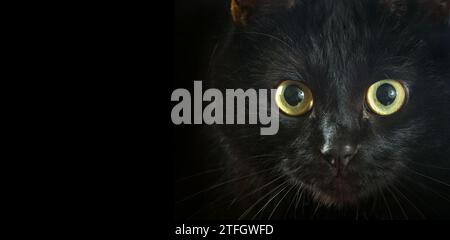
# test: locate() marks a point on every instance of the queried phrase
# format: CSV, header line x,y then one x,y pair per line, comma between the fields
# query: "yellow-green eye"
x,y
386,97
294,98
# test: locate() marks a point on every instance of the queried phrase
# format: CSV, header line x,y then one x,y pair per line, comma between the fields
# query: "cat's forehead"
x,y
342,43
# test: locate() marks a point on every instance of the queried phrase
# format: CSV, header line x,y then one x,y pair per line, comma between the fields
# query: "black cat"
x,y
364,95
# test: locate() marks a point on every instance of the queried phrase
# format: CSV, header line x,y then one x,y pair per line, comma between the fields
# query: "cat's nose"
x,y
339,156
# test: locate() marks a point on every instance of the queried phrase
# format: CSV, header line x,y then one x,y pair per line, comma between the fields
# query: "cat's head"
x,y
371,74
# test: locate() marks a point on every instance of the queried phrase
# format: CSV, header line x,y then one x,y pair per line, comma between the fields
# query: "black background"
x,y
198,26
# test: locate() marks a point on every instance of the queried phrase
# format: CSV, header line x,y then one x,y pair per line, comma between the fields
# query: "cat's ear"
x,y
243,11
436,11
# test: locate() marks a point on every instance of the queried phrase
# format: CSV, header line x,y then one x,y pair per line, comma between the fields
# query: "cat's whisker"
x,y
418,197
429,166
262,159
385,202
222,184
316,210
393,195
270,200
426,176
293,198
303,203
299,197
426,187
409,201
374,203
246,212
398,202
258,189
279,202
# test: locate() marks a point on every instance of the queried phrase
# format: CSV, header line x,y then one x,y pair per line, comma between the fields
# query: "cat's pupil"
x,y
293,95
386,94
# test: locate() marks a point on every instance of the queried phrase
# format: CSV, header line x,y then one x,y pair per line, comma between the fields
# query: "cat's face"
x,y
341,150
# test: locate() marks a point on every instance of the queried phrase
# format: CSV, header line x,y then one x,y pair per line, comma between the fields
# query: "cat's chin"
x,y
336,198
338,195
